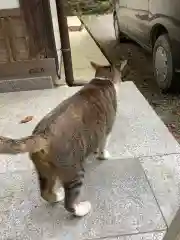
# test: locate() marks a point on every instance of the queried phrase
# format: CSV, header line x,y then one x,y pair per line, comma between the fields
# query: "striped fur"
x,y
64,138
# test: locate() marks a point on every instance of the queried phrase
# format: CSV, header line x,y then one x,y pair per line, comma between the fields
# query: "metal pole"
x,y
65,43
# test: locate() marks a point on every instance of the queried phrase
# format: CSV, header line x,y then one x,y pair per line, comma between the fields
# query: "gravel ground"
x,y
139,70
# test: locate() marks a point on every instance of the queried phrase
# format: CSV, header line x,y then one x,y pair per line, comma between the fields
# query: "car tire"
x,y
163,64
118,34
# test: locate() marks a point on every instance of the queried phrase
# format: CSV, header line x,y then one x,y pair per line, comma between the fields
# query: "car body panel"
x,y
137,22
142,18
167,14
121,14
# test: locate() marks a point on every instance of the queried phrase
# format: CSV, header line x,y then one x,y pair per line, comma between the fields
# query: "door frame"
x,y
43,58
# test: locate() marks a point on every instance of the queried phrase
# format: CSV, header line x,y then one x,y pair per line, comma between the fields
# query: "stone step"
x,y
145,236
26,84
74,24
122,200
122,204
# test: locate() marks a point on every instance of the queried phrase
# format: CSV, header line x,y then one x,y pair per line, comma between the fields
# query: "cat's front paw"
x,y
103,155
82,209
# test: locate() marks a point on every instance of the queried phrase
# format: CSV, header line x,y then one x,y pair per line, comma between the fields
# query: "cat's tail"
x,y
31,144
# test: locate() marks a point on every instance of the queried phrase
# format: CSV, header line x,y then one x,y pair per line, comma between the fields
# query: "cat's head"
x,y
111,72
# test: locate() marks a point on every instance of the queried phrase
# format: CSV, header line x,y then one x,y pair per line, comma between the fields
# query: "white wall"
x,y
4,4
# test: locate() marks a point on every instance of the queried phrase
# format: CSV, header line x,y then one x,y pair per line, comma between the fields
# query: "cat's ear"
x,y
95,65
123,64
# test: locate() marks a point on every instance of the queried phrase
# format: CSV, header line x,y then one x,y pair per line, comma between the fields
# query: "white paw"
x,y
60,194
82,209
104,155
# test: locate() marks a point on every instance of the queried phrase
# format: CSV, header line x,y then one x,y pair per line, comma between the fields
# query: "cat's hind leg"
x,y
102,152
48,191
47,179
72,191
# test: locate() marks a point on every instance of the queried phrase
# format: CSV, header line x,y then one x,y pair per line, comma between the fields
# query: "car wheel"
x,y
118,34
163,64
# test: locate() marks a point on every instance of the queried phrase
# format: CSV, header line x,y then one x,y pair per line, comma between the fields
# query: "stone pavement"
x,y
135,194
102,29
83,49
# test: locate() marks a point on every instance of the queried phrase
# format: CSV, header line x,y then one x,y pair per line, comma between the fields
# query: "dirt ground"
x,y
139,70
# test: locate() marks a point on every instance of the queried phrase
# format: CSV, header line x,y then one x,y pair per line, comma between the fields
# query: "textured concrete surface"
x,y
163,173
121,198
145,236
137,131
26,84
123,203
84,50
74,24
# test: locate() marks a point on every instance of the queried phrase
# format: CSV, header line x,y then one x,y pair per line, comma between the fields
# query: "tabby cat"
x,y
64,138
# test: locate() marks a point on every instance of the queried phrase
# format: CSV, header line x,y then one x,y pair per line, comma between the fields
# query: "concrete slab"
x,y
102,29
74,24
84,50
163,173
138,131
96,22
145,236
26,84
121,198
